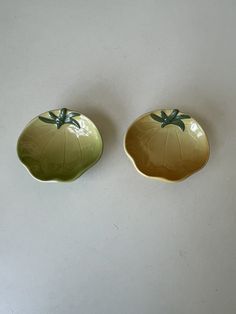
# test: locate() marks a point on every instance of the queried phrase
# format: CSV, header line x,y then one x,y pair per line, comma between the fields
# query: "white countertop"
x,y
115,242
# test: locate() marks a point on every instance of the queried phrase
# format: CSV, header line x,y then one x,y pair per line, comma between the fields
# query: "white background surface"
x,y
114,242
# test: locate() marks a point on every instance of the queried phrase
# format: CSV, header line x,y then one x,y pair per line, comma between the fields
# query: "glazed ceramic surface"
x,y
167,145
59,145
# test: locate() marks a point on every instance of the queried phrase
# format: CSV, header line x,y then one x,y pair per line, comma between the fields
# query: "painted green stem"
x,y
174,118
63,118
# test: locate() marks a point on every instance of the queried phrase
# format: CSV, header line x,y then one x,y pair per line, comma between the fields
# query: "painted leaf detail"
x,y
183,116
173,114
73,114
76,123
62,118
52,115
156,117
173,118
47,120
63,113
163,115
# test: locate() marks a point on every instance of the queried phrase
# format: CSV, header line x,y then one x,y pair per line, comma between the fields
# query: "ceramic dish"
x,y
59,145
167,144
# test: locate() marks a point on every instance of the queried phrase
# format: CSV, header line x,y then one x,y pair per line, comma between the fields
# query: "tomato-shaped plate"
x,y
59,145
167,144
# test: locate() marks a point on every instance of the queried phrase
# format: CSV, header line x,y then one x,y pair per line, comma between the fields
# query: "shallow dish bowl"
x,y
59,145
167,145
